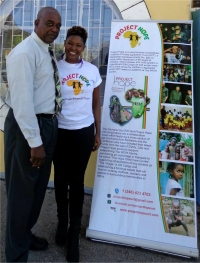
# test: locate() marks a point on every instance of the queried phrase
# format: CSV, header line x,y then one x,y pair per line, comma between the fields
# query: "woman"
x,y
78,135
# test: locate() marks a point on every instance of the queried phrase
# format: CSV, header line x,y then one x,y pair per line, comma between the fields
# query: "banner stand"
x,y
145,185
142,243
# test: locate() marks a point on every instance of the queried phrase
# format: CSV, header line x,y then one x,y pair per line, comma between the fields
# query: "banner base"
x,y
142,243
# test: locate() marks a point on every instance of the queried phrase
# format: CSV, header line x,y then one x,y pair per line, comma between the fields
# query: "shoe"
x,y
38,243
72,252
61,235
73,240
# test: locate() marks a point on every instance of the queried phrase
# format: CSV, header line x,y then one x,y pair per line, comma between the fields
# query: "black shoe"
x,y
61,235
38,243
73,252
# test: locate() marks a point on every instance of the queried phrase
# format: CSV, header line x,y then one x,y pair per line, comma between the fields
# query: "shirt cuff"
x,y
34,142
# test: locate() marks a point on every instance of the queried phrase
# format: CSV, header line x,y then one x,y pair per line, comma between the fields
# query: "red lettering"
x,y
122,30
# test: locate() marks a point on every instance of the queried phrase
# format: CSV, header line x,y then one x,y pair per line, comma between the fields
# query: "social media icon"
x,y
116,190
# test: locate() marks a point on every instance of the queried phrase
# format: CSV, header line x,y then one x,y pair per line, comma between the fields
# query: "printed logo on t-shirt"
x,y
76,81
76,84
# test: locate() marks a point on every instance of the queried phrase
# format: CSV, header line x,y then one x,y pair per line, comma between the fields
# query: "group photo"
x,y
176,146
176,33
177,73
177,93
176,118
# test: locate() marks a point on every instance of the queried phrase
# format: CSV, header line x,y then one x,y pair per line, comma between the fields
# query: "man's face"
x,y
177,89
48,26
174,49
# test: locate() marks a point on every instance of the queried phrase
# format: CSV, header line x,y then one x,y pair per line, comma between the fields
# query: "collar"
x,y
40,42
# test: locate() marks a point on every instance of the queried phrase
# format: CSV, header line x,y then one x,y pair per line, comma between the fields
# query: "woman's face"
x,y
74,46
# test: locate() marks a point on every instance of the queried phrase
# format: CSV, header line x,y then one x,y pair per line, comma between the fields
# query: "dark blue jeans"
x,y
72,153
25,185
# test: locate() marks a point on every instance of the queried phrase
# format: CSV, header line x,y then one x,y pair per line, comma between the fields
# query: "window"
x,y
94,15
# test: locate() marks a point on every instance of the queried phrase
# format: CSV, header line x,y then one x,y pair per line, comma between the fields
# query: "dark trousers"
x,y
25,185
70,160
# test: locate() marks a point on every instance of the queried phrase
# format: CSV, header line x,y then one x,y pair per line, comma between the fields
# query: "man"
x,y
30,134
187,31
163,114
163,142
176,96
178,36
188,98
175,55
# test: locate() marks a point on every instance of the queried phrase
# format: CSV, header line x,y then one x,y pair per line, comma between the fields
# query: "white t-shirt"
x,y
173,184
164,155
78,82
171,58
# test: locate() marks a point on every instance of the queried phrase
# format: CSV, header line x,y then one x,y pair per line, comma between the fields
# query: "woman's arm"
x,y
97,117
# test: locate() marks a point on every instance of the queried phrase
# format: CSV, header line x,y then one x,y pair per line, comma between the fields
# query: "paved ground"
x,y
90,251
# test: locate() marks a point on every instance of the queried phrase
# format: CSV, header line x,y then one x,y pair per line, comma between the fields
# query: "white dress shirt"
x,y
31,85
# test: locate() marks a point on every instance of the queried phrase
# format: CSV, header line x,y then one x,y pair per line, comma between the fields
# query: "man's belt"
x,y
46,115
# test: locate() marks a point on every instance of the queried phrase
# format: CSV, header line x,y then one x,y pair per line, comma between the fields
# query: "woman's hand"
x,y
97,142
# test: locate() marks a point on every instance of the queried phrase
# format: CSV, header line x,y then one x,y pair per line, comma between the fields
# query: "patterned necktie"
x,y
58,100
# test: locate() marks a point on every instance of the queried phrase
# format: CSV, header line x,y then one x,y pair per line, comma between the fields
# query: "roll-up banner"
x,y
144,190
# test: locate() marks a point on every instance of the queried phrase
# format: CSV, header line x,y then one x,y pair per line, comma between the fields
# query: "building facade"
x,y
17,22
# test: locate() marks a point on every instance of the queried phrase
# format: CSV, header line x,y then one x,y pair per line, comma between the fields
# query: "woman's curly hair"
x,y
78,31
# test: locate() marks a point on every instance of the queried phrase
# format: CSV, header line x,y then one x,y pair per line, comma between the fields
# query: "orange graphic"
x,y
76,84
133,37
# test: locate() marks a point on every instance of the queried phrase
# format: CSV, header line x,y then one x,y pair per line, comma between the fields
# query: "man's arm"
x,y
166,94
21,88
167,50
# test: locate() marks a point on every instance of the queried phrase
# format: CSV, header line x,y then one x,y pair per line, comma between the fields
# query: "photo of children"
x,y
118,113
176,33
138,99
177,179
179,216
175,118
178,94
177,73
176,146
176,54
